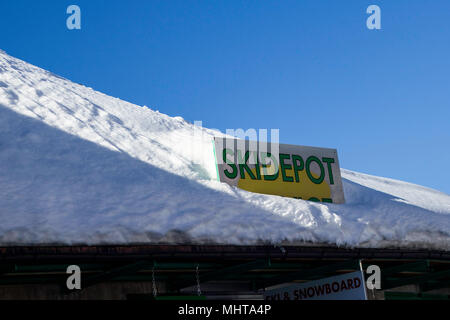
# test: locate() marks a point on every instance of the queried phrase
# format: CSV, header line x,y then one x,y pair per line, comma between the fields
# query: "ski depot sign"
x,y
349,286
300,172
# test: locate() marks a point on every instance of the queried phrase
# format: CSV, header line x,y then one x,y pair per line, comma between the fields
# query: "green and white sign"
x,y
300,172
348,286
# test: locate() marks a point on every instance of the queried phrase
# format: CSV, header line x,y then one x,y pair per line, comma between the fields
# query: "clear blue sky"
x,y
310,68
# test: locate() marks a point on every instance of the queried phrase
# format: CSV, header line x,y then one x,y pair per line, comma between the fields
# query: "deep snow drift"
x,y
78,166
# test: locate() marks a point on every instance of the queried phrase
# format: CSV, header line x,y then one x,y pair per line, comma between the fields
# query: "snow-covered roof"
x,y
78,166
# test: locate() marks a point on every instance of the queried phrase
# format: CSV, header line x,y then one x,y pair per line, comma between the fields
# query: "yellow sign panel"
x,y
286,170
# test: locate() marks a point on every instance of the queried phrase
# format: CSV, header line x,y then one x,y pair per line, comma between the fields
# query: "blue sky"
x,y
309,68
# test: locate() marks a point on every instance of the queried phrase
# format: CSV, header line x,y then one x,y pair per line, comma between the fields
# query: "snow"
x,y
81,167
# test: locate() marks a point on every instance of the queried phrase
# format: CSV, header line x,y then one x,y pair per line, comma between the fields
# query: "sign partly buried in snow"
x,y
349,286
300,172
